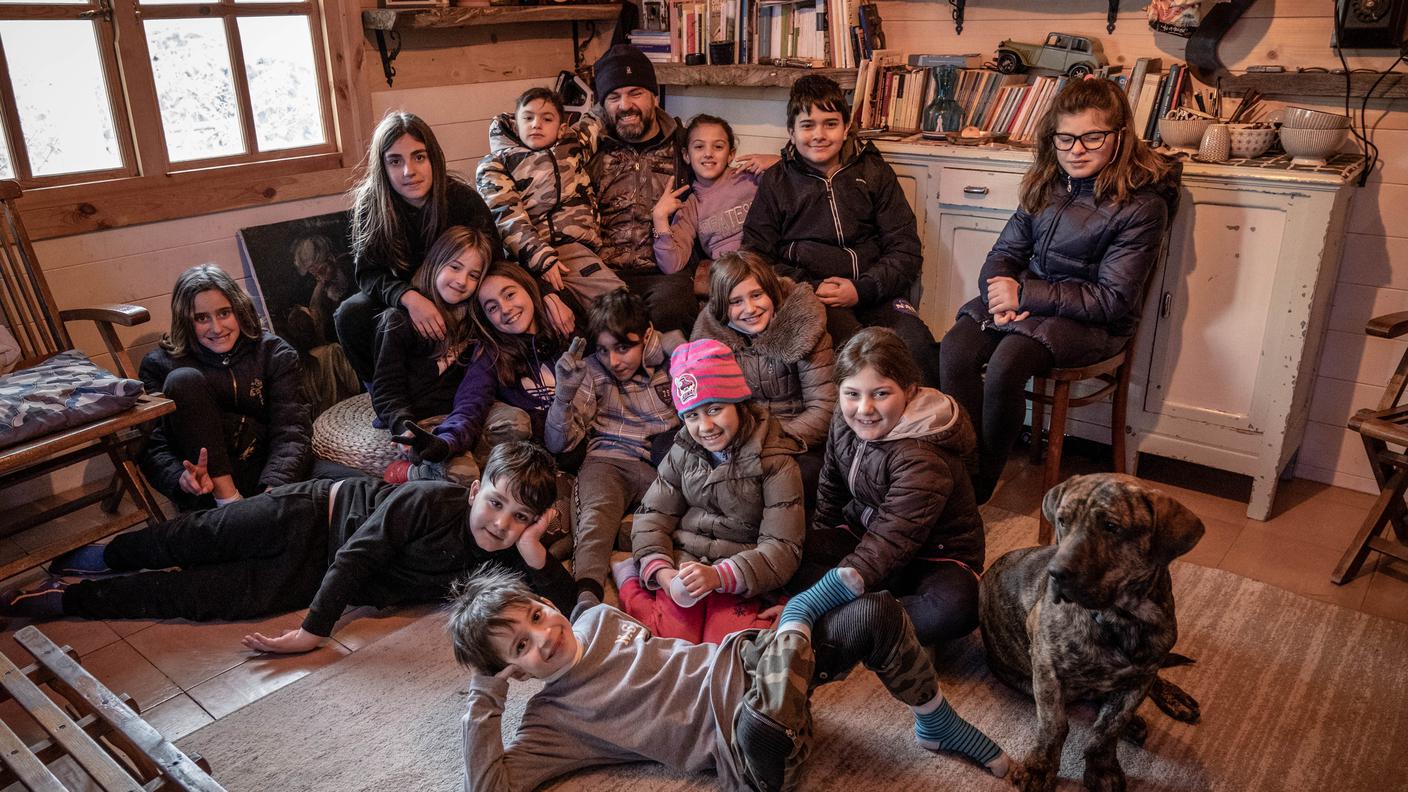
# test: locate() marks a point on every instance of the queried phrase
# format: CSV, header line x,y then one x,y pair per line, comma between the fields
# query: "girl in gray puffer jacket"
x,y
1064,284
721,528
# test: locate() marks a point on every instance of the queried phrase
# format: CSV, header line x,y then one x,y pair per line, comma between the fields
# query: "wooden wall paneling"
x,y
1379,209
1359,357
447,104
474,55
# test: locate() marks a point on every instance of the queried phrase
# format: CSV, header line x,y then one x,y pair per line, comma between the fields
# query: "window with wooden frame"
x,y
112,94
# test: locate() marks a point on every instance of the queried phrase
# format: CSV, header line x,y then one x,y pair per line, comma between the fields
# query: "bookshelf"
x,y
745,75
400,20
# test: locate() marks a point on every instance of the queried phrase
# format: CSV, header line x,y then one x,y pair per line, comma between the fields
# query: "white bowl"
x,y
1183,134
1250,141
1305,118
1312,145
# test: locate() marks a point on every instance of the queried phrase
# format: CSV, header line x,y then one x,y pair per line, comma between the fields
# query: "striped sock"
x,y
836,588
942,729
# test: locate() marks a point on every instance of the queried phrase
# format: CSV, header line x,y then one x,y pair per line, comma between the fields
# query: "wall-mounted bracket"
x,y
388,56
1110,16
958,14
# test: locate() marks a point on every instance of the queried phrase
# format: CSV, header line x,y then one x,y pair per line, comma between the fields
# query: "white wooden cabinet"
x,y
1232,329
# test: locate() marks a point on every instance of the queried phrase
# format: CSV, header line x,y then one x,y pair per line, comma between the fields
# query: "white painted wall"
x,y
1373,272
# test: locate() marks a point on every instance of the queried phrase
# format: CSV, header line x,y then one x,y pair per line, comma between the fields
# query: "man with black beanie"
x,y
638,158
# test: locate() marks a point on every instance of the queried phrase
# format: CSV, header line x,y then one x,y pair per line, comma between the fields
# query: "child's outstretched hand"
x,y
553,274
196,478
291,642
699,579
570,369
428,446
669,203
530,542
755,163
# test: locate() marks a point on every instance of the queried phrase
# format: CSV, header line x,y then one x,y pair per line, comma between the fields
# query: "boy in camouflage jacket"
x,y
535,182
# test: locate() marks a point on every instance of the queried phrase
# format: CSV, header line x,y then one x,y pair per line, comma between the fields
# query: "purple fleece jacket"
x,y
475,395
712,215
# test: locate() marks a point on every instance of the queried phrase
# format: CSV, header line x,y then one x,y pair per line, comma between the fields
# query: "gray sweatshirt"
x,y
630,697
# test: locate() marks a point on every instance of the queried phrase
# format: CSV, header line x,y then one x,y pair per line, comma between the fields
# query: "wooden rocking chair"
x,y
1380,427
28,309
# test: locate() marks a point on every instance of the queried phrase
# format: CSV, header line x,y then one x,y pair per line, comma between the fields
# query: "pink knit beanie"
x,y
704,371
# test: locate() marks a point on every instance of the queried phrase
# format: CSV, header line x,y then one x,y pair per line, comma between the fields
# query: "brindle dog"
x,y
1091,618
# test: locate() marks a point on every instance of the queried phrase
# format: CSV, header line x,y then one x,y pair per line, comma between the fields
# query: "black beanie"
x,y
622,66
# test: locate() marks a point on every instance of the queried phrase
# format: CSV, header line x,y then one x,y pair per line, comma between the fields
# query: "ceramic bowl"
x,y
1312,144
1183,134
1305,118
1250,141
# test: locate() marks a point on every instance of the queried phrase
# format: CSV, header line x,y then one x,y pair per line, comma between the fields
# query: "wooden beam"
x,y
1307,84
403,19
745,75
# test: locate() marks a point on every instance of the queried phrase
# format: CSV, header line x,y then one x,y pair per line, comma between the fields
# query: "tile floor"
x,y
185,675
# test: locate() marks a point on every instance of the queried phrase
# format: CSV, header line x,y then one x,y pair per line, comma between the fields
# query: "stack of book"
x,y
1153,95
816,32
654,43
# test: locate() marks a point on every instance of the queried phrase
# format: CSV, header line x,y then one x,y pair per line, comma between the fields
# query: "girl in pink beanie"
x,y
721,528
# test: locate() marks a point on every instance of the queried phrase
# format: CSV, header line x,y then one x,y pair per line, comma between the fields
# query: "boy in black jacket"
x,y
329,543
832,214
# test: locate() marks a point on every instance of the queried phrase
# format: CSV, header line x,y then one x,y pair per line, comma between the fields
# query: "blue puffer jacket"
x,y
1082,264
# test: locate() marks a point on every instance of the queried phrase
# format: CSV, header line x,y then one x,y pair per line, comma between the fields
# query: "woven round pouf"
x,y
344,434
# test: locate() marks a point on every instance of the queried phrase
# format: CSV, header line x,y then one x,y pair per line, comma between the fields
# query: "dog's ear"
x,y
1052,502
1177,528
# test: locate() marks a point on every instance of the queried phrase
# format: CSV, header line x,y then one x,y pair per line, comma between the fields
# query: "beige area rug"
x,y
1296,695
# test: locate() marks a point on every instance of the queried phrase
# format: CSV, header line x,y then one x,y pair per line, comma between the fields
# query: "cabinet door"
x,y
964,242
1213,308
914,181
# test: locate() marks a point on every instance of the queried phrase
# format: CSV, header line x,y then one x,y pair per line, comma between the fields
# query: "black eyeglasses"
x,y
1090,140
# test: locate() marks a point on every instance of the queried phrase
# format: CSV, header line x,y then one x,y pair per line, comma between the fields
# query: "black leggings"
x,y
356,323
199,422
995,400
265,554
898,315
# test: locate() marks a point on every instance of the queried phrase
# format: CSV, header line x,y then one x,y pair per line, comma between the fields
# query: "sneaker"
x,y
429,471
397,472
86,560
44,601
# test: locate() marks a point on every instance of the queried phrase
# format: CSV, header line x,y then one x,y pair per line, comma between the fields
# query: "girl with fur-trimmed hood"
x,y
777,331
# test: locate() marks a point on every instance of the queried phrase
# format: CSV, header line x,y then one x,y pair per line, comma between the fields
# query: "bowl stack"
x,y
1312,136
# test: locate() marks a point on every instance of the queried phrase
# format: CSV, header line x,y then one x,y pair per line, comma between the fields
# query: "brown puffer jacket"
x,y
629,179
747,511
787,366
906,497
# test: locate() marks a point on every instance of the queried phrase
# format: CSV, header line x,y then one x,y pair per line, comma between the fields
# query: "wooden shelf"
x,y
399,20
745,75
1319,84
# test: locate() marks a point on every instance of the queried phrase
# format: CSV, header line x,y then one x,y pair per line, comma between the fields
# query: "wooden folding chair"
x,y
28,309
98,730
1380,427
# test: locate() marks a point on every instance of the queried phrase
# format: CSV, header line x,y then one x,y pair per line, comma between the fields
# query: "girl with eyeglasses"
x,y
1064,283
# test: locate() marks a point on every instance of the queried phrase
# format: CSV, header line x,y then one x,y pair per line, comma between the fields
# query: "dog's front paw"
x,y
1103,776
1136,731
1174,701
1034,776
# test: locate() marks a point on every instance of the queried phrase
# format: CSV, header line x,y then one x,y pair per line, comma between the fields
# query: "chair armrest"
x,y
114,313
1388,326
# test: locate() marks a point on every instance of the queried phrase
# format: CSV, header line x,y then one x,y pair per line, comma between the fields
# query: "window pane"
x,y
7,171
65,115
283,81
194,87
46,2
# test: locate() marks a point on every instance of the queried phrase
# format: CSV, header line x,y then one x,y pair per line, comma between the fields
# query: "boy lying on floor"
x,y
740,708
321,545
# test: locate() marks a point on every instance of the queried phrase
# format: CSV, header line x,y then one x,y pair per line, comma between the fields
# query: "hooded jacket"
x,y
257,388
1083,265
408,384
629,179
906,497
540,199
744,516
788,366
856,224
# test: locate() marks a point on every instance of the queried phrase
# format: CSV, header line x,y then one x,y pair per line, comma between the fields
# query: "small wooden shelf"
x,y
745,75
1319,84
399,20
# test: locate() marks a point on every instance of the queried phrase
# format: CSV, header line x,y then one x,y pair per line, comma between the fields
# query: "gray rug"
x,y
1296,695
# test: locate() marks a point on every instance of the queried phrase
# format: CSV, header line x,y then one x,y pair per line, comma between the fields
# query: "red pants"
x,y
707,621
